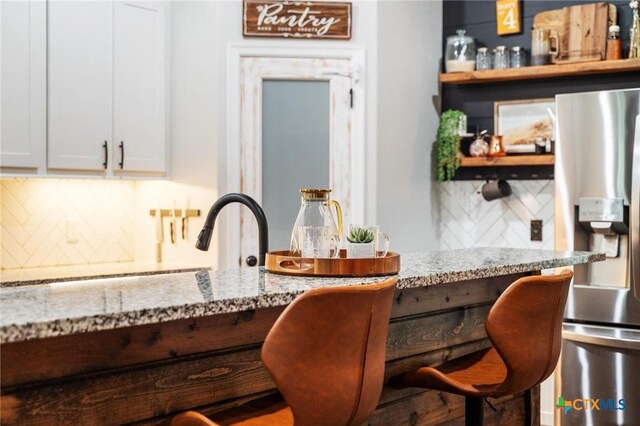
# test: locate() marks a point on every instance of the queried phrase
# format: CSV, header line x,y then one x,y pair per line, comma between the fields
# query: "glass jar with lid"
x,y
460,53
518,57
501,58
483,59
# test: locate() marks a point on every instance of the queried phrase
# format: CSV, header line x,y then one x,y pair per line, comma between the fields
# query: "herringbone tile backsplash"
x,y
35,215
467,220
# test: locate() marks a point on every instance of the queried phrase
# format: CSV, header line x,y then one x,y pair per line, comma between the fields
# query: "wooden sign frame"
x,y
296,19
508,17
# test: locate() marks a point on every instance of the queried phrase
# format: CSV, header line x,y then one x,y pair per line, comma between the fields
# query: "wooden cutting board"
x,y
584,33
580,30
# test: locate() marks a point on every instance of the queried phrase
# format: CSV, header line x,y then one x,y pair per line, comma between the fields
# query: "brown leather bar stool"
x,y
524,326
326,355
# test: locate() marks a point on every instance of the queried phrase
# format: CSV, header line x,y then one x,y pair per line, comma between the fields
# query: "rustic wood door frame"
x,y
247,67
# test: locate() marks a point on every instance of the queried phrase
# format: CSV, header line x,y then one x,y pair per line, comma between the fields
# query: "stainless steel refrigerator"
x,y
597,207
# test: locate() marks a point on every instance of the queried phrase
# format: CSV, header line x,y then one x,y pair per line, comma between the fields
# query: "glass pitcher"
x,y
315,211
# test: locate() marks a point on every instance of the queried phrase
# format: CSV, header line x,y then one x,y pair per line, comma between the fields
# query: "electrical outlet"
x,y
536,230
72,230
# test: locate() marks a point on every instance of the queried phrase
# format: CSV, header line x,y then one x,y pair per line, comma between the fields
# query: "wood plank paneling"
x,y
70,355
436,357
428,333
129,395
448,296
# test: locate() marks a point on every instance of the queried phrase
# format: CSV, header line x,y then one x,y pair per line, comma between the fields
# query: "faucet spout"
x,y
204,239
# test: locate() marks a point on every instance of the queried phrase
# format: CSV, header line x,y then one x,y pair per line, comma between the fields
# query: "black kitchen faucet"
x,y
204,239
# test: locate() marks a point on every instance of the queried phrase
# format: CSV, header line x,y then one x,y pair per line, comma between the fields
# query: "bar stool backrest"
x,y
326,353
525,327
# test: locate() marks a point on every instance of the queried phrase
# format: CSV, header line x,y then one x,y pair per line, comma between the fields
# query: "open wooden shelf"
x,y
509,160
544,71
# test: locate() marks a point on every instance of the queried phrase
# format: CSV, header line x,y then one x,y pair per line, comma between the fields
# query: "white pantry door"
x,y
296,126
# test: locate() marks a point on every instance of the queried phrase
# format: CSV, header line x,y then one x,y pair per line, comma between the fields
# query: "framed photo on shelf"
x,y
521,122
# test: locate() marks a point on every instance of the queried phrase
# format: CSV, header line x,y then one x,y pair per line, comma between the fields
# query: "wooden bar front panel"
x,y
146,374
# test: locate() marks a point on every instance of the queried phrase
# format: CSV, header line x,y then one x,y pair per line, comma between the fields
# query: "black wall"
x,y
479,19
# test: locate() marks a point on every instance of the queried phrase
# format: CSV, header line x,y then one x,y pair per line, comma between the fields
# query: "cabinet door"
x,y
80,83
23,75
139,86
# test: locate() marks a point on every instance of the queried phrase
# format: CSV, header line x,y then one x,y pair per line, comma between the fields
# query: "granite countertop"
x,y
63,308
51,274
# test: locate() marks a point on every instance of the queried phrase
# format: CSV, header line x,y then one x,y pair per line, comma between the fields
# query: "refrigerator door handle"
x,y
635,213
592,336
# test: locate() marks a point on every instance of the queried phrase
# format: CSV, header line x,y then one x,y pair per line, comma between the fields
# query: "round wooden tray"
x,y
282,262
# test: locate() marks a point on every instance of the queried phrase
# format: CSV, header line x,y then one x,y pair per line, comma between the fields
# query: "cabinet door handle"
x,y
121,163
106,154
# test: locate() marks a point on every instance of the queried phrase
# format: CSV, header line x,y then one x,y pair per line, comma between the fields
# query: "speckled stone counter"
x,y
50,274
64,308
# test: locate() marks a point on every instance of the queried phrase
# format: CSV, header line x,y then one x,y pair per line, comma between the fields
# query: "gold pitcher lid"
x,y
315,194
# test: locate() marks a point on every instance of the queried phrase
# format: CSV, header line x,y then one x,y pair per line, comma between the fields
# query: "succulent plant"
x,y
360,236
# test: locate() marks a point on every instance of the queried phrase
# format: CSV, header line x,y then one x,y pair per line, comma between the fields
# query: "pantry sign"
x,y
296,19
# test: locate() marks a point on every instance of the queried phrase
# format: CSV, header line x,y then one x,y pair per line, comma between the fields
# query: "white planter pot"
x,y
361,250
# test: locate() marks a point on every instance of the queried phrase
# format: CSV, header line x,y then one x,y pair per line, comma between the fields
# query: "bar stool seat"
x,y
476,374
277,414
524,326
326,355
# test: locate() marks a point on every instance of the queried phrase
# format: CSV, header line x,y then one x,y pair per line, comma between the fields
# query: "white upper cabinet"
x,y
23,74
106,87
139,103
80,38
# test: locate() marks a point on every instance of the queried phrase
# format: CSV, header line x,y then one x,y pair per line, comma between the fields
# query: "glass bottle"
x,y
614,43
460,54
634,32
315,211
483,59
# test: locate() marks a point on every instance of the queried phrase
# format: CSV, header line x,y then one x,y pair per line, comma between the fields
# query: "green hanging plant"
x,y
448,145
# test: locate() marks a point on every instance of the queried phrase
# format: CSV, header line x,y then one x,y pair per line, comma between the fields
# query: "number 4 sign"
x,y
508,16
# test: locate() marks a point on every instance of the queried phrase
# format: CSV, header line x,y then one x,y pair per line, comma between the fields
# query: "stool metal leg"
x,y
528,411
473,411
